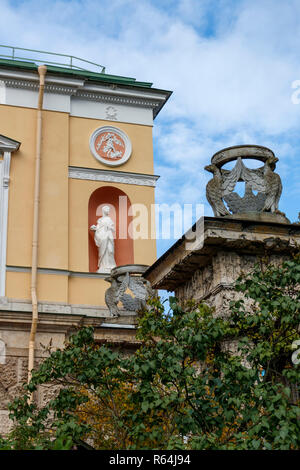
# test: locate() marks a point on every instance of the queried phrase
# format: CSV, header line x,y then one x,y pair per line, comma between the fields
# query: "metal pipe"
x,y
42,69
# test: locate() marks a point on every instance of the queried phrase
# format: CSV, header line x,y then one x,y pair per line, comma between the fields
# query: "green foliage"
x,y
183,388
22,438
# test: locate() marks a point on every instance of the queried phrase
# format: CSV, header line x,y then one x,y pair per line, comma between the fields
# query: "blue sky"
x,y
230,65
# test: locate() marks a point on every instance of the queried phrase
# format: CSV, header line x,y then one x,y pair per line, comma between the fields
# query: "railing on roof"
x,y
71,60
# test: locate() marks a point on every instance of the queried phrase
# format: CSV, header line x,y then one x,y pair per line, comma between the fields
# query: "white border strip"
x,y
111,176
118,325
94,311
4,183
122,135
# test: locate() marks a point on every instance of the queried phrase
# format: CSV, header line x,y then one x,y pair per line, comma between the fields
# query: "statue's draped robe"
x,y
104,239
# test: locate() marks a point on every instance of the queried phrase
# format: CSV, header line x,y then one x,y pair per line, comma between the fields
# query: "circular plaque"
x,y
110,145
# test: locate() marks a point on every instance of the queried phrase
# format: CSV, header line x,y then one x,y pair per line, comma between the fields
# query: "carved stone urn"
x,y
262,186
124,278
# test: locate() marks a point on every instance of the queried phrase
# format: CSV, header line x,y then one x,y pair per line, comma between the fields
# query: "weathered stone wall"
x,y
214,282
14,337
13,373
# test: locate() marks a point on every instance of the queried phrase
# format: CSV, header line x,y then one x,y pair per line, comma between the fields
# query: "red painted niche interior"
x,y
119,204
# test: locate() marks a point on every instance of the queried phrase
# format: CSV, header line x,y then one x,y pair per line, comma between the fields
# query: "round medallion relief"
x,y
110,145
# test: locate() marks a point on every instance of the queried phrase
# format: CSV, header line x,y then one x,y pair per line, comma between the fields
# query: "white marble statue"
x,y
104,239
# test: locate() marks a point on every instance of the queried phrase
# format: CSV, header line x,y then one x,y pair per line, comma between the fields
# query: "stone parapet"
x,y
224,247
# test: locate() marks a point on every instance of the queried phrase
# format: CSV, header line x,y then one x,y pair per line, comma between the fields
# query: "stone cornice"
x,y
34,86
181,260
6,74
94,311
114,90
118,99
112,176
84,90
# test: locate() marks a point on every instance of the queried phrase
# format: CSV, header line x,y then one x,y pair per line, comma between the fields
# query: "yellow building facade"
x,y
77,105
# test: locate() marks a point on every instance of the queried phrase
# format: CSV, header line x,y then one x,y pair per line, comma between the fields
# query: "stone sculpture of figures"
x,y
267,182
104,240
263,180
115,292
219,186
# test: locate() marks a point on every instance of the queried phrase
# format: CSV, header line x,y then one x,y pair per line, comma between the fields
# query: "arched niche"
x,y
119,204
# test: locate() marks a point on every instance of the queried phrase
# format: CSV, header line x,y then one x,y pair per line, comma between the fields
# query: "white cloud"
x,y
230,64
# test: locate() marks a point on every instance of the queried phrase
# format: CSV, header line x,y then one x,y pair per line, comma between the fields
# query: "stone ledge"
x,y
215,290
278,218
54,324
95,311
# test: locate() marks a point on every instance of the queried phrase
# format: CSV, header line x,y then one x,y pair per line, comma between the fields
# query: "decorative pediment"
x,y
8,145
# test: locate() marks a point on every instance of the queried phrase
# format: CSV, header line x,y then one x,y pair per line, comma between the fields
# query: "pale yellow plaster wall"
x,y
87,291
63,234
141,160
19,124
53,225
51,287
18,285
